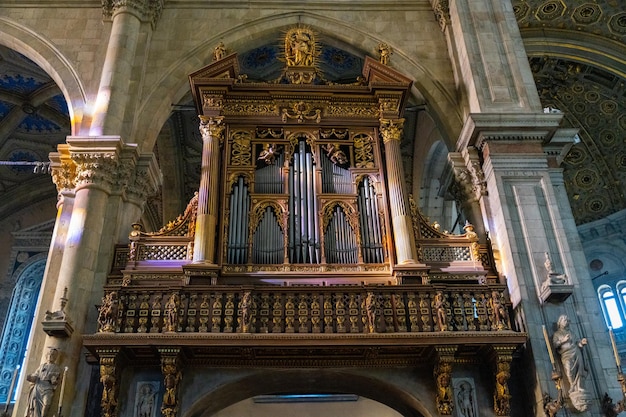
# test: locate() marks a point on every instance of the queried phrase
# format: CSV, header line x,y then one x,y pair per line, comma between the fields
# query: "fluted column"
x,y
212,129
391,131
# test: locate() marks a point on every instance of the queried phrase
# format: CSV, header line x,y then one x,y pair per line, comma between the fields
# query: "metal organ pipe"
x,y
238,223
369,220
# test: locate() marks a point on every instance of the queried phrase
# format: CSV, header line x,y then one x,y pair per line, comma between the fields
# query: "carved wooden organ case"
x,y
302,185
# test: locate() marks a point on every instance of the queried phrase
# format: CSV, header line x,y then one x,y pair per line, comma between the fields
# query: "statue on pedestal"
x,y
43,382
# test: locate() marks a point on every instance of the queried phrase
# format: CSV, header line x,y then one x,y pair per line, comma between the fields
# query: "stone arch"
x,y
173,85
27,278
589,49
388,392
42,52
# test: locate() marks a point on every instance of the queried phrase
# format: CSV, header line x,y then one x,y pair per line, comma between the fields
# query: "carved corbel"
x,y
171,367
501,395
56,323
443,379
109,377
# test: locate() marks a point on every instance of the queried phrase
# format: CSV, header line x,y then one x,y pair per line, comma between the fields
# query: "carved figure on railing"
x,y
499,315
370,308
43,382
246,313
441,319
570,350
171,313
108,312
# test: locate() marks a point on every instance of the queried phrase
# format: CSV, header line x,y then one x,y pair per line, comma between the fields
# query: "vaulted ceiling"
x,y
591,94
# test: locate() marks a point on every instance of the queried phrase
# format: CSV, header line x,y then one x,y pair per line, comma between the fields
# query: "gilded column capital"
x,y
391,129
442,12
212,128
145,10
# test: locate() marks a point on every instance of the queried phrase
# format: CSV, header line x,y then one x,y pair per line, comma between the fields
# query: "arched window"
x,y
610,306
19,320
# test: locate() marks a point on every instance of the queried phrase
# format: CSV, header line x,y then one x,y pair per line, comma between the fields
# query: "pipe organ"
x,y
318,182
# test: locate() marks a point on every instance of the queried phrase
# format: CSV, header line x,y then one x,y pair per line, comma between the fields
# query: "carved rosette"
x,y
109,377
172,375
391,129
212,128
96,169
145,10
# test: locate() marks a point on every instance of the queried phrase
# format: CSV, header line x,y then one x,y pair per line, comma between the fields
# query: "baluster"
x,y
290,312
341,313
130,314
229,311
481,311
144,312
277,314
264,312
458,312
315,314
328,314
303,314
468,306
191,313
216,314
388,313
353,311
425,312
400,312
413,313
155,314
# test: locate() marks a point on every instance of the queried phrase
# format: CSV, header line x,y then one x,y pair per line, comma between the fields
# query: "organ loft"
x,y
303,249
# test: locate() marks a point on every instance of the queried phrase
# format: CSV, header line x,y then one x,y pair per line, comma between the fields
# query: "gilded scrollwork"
x,y
250,108
364,150
352,110
502,396
241,152
301,111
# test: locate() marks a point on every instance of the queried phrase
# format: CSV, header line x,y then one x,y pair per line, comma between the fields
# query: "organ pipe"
x,y
369,221
238,223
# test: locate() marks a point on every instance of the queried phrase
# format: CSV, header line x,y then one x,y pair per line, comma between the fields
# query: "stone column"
x,y
391,131
112,101
85,261
63,176
212,129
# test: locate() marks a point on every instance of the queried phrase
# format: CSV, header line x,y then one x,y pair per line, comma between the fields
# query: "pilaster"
x,y
486,48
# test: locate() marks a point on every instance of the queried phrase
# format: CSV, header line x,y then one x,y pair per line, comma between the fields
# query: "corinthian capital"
x,y
391,129
97,169
145,10
212,128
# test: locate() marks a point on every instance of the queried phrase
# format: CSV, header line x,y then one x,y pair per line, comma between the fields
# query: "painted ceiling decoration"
x,y
34,117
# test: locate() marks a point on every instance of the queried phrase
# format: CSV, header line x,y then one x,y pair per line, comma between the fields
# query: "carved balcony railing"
x,y
307,309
